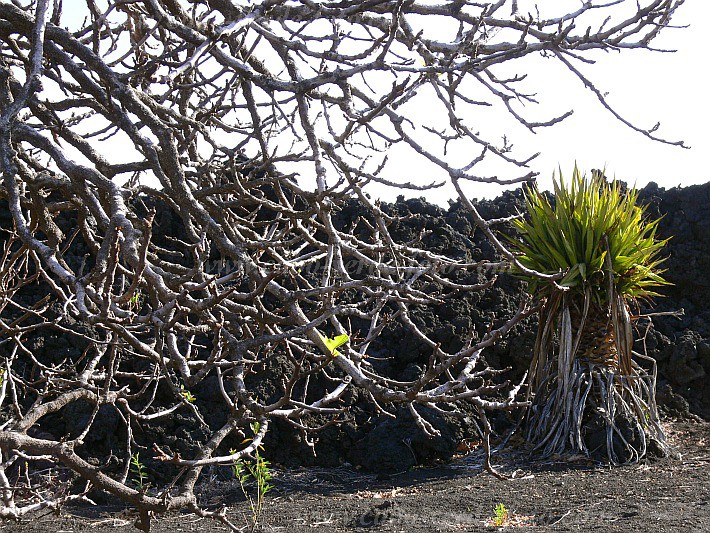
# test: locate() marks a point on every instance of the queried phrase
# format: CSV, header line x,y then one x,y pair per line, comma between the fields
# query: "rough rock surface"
x,y
680,345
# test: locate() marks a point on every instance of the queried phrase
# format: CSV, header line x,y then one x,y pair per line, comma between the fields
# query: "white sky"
x,y
645,88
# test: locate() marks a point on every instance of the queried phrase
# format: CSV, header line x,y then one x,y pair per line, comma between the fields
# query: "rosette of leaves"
x,y
589,395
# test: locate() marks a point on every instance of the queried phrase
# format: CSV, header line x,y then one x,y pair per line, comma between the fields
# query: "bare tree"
x,y
253,123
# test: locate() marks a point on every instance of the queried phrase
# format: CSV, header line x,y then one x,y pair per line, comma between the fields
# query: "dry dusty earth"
x,y
566,494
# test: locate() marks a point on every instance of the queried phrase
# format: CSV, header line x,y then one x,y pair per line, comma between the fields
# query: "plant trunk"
x,y
598,342
588,395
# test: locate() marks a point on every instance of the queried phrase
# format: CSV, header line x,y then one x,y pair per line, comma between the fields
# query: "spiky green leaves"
x,y
590,219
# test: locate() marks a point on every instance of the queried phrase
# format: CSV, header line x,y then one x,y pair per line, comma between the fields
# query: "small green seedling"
x,y
136,301
259,471
501,515
334,343
187,394
140,476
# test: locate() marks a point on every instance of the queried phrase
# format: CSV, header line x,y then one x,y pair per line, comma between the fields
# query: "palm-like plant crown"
x,y
583,370
594,230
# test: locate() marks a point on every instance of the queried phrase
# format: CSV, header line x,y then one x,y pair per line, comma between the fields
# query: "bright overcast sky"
x,y
645,88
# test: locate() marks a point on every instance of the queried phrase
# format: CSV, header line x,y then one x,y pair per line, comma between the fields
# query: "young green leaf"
x,y
333,344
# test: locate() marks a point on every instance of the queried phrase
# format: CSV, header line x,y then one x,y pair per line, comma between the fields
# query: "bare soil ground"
x,y
563,494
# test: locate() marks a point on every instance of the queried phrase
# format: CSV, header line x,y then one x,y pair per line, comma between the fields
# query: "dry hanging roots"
x,y
587,405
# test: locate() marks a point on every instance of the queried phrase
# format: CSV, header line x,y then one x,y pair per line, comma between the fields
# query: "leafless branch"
x,y
174,172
